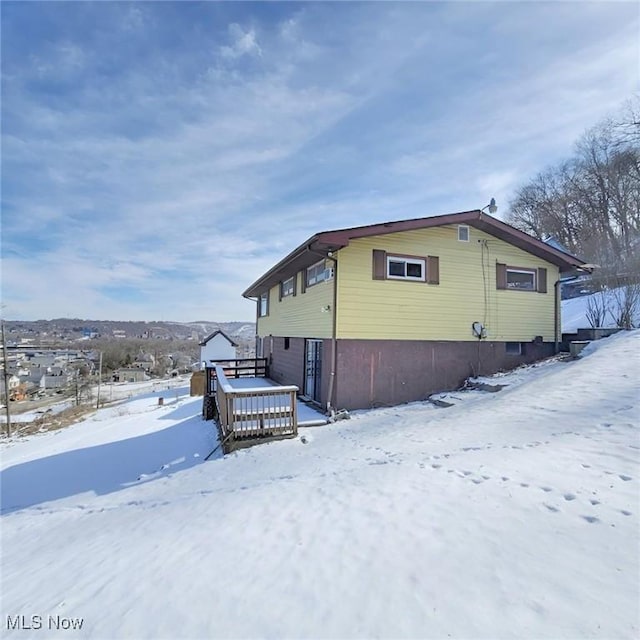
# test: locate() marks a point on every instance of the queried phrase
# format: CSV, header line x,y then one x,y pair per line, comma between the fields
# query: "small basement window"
x,y
463,233
405,268
513,348
521,279
286,343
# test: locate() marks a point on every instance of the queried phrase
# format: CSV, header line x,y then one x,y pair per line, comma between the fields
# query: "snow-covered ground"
x,y
109,392
574,312
508,515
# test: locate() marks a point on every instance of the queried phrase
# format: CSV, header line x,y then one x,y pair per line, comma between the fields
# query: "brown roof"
x,y
320,244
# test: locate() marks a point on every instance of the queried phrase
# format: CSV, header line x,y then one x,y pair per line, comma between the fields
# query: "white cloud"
x,y
242,43
185,176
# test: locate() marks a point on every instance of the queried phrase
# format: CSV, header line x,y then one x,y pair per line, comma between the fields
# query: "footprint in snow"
x,y
625,478
524,484
436,466
586,466
551,508
594,502
504,478
590,519
569,497
546,489
625,512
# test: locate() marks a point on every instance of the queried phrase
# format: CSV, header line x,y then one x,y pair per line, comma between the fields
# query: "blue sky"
x,y
158,157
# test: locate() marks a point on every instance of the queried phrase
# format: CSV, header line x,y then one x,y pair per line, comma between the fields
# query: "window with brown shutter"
x,y
303,281
520,278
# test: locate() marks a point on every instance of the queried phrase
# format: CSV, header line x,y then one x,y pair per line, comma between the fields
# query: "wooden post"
x,y
6,383
99,380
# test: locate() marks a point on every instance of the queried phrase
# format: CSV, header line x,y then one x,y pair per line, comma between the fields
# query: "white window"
x,y
287,287
521,279
463,233
263,305
399,268
316,273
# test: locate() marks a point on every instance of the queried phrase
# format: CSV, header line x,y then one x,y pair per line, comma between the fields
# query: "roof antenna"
x,y
492,206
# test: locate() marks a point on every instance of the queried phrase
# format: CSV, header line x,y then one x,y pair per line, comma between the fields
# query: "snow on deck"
x,y
507,515
307,415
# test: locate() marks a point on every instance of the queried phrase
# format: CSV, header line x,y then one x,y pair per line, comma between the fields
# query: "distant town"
x,y
67,356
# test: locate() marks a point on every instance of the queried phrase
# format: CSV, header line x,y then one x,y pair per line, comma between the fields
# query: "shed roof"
x,y
324,243
214,334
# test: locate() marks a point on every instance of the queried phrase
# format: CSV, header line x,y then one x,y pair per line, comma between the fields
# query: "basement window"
x,y
286,343
513,348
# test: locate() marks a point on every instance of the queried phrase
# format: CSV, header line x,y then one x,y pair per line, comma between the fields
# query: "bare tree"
x,y
597,309
591,201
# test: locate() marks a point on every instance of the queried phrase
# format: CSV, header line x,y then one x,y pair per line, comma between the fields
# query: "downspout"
x,y
334,316
556,316
334,342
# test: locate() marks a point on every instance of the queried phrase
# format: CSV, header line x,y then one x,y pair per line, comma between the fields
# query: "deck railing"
x,y
256,412
244,368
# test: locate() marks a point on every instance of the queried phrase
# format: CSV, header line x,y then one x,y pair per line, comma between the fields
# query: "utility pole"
x,y
6,381
99,380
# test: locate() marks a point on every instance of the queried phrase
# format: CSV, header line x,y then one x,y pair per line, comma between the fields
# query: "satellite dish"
x,y
492,206
477,329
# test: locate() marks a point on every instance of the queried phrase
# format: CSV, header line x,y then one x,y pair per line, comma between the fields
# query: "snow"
x,y
508,515
574,312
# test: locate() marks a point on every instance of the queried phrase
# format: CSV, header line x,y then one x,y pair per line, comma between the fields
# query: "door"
x,y
313,369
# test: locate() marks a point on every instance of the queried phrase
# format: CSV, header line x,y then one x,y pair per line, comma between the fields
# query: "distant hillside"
x,y
67,329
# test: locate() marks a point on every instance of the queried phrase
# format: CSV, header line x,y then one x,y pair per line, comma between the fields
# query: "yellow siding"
x,y
299,316
402,310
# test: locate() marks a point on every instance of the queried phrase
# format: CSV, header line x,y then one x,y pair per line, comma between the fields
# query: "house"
x,y
217,346
392,312
132,374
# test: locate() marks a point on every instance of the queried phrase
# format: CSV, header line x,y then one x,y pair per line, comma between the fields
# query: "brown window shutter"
x,y
501,276
379,264
295,284
303,281
280,292
433,270
542,280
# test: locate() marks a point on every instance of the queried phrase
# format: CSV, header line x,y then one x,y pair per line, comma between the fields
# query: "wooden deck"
x,y
250,414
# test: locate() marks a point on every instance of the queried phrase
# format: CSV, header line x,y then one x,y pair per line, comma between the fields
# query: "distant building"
x,y
130,375
217,346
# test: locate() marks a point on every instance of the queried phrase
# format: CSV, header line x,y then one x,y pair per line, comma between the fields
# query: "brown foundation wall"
x,y
286,366
373,373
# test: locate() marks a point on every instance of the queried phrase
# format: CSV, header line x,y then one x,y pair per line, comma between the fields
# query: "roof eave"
x,y
327,241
